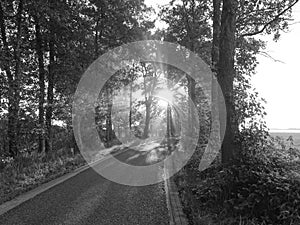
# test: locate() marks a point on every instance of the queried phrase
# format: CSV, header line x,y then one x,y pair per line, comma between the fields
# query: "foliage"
x,y
190,21
79,31
255,186
188,25
252,188
30,170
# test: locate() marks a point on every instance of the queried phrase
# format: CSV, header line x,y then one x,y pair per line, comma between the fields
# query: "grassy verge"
x,y
249,191
29,171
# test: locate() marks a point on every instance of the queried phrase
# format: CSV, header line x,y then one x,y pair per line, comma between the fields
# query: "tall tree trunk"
x,y
130,105
226,76
96,39
11,128
216,36
50,91
98,35
170,123
148,102
13,80
214,147
109,128
40,54
17,58
191,81
192,100
147,119
110,134
214,66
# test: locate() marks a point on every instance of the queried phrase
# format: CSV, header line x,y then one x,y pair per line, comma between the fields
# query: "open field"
x,y
287,133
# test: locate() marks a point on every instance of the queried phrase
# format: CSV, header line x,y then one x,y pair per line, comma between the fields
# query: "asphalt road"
x,y
89,198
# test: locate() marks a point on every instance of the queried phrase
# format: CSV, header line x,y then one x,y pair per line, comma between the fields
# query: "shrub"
x,y
250,188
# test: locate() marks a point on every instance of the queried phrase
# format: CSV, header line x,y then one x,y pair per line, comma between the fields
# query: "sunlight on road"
x,y
156,155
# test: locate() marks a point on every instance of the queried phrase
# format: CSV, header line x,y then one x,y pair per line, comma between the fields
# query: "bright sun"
x,y
162,103
165,96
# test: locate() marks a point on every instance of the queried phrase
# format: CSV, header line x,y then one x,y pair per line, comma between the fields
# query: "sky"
x,y
277,81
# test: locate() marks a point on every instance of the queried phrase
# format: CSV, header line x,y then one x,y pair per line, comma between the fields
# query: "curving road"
x,y
88,199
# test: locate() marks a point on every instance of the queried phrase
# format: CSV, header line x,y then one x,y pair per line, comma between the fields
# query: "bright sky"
x,y
278,82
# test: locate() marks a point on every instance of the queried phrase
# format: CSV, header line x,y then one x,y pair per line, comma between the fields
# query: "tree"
x,y
226,75
215,117
188,22
233,55
40,54
150,80
238,58
13,78
51,72
45,48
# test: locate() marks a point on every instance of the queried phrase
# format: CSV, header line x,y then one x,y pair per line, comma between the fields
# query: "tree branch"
x,y
270,22
265,54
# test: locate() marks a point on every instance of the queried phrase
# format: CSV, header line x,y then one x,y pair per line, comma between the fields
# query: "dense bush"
x,y
250,187
253,189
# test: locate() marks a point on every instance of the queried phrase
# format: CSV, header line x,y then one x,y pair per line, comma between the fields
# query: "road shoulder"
x,y
177,217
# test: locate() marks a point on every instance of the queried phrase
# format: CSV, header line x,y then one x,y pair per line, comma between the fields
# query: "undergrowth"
x,y
30,170
260,189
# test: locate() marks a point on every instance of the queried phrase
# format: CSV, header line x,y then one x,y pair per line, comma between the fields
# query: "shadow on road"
x,y
145,154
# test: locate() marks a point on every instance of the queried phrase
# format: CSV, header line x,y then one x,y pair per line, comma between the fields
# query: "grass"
x,y
30,170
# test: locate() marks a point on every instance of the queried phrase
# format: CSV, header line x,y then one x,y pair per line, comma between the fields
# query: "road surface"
x,y
88,199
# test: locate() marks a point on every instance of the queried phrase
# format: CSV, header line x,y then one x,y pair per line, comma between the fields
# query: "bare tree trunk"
x,y
40,54
226,76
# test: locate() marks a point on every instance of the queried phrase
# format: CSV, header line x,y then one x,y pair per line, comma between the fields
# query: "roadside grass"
x,y
251,190
28,171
